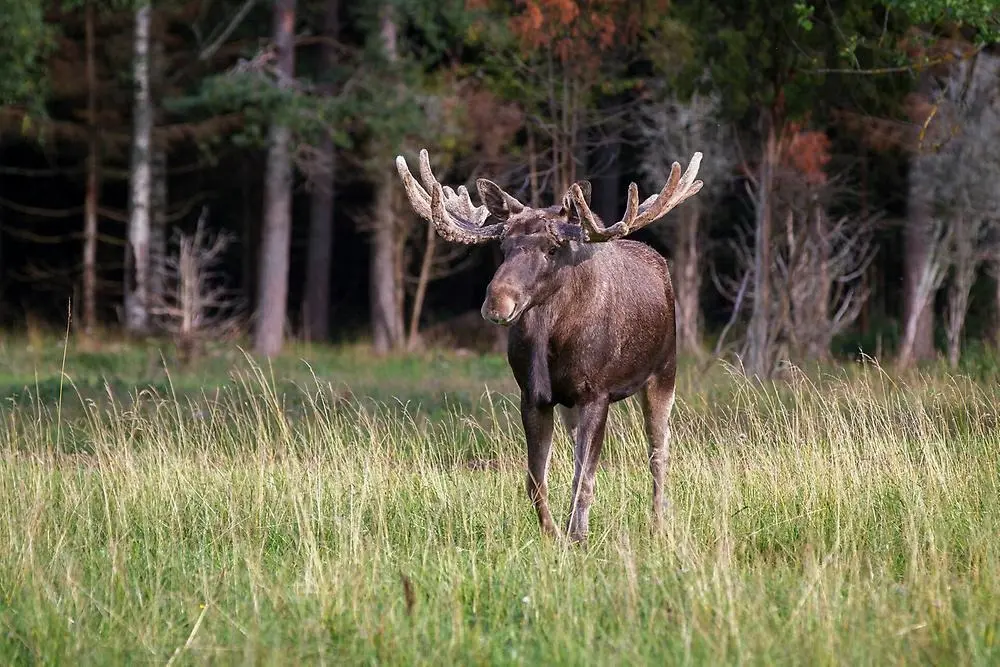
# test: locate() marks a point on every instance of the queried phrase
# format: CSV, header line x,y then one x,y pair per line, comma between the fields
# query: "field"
x,y
332,508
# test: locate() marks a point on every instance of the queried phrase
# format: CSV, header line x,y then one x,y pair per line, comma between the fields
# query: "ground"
x,y
330,507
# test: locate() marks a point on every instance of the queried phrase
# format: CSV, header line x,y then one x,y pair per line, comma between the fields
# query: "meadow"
x,y
332,508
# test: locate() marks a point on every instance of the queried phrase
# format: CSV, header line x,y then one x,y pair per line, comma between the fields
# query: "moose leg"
x,y
589,440
657,403
538,423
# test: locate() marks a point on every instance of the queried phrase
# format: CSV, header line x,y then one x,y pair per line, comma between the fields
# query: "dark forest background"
x,y
208,169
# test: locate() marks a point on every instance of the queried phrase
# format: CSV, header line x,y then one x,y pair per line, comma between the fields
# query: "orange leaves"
x,y
804,151
575,30
809,152
578,33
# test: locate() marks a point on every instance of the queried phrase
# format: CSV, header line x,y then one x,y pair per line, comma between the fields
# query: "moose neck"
x,y
580,287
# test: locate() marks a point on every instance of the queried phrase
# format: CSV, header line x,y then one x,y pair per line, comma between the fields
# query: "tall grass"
x,y
846,519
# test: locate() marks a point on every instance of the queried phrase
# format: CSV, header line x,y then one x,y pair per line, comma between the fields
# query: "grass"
x,y
241,514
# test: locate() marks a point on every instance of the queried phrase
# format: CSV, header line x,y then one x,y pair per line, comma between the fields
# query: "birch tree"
x,y
137,268
91,198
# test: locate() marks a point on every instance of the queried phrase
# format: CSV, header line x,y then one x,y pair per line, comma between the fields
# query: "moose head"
x,y
537,243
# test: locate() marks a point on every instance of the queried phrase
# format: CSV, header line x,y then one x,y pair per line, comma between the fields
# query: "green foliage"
x,y
27,40
981,15
262,102
762,55
376,104
411,100
745,50
805,15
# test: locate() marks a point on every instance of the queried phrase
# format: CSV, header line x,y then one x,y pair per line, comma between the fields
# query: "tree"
x,y
956,176
407,106
27,40
814,262
385,269
671,129
770,63
316,307
92,189
137,265
565,62
195,305
272,293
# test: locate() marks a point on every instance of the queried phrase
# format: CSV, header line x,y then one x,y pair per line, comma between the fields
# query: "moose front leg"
x,y
589,436
537,421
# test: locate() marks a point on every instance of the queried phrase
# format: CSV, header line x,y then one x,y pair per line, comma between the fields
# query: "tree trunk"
x,y
608,194
996,303
687,278
250,239
137,250
533,196
316,308
965,265
272,293
386,310
926,281
820,341
159,194
159,202
422,281
918,312
387,317
916,245
758,354
93,180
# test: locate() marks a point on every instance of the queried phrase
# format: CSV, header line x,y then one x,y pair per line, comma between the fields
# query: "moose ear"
x,y
493,198
567,203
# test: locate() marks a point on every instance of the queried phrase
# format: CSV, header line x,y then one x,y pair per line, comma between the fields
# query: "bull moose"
x,y
591,317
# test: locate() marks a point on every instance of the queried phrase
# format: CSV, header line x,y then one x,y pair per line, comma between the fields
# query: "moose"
x,y
590,317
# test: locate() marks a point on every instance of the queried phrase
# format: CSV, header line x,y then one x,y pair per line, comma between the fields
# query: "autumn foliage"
x,y
806,151
576,32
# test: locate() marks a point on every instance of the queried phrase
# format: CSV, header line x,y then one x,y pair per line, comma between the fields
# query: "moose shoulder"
x,y
591,317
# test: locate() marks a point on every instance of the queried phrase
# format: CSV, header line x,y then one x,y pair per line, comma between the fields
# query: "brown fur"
x,y
593,324
591,317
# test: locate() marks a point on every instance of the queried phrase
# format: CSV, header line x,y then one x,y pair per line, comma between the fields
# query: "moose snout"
x,y
501,307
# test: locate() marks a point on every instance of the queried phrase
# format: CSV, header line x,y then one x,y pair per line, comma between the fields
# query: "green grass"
x,y
240,514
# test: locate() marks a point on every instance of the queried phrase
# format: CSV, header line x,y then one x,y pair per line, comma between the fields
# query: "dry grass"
x,y
850,519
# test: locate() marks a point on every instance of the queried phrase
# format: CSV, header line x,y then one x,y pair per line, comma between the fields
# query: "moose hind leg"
x,y
588,443
570,419
657,399
538,422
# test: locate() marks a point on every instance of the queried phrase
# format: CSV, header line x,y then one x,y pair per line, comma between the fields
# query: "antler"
x,y
677,189
454,216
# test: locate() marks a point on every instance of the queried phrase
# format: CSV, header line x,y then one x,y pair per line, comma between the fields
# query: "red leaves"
x,y
575,30
807,151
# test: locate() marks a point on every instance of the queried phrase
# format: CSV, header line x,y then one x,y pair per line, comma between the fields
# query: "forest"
x,y
207,170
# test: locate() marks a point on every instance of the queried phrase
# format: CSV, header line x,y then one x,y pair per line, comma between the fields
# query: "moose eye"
x,y
551,251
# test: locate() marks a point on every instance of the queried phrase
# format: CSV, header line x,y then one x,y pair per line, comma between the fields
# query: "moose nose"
x,y
499,309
